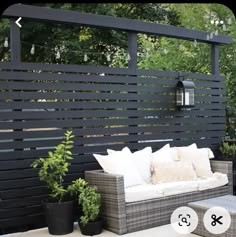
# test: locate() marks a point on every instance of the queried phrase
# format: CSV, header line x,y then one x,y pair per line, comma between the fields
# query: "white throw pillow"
x,y
142,161
184,149
125,149
122,165
163,154
209,151
165,172
200,160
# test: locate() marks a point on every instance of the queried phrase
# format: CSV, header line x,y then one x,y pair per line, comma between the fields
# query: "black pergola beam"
x,y
73,17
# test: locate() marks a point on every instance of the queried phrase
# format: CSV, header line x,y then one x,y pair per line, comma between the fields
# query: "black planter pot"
x,y
60,217
91,228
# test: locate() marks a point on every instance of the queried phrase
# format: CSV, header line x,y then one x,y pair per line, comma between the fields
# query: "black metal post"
x,y
15,42
15,59
215,59
132,64
132,50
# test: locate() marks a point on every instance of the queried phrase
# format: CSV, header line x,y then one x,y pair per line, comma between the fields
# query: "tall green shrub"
x,y
53,169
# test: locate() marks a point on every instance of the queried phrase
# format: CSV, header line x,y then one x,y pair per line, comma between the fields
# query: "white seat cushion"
x,y
178,187
142,192
216,180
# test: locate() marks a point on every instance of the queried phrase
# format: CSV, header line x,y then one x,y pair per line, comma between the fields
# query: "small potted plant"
x,y
228,150
90,201
59,208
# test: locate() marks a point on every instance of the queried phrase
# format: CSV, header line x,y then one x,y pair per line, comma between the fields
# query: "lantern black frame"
x,y
184,86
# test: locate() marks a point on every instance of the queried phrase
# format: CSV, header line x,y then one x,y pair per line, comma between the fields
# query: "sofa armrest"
x,y
225,167
111,188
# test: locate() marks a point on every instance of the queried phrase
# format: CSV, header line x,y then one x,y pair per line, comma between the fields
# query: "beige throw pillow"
x,y
164,172
200,160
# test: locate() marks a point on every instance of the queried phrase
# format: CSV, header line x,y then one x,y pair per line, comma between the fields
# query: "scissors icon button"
x,y
216,220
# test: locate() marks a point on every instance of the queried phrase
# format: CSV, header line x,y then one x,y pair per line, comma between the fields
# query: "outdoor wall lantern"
x,y
185,95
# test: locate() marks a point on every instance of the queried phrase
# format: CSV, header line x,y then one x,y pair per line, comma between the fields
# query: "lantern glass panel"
x,y
189,97
179,96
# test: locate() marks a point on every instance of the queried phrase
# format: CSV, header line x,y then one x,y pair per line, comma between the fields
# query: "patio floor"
x,y
163,231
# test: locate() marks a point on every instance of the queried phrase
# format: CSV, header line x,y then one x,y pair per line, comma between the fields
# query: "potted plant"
x,y
59,208
90,200
228,150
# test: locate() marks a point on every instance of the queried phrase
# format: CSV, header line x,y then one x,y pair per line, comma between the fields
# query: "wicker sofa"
x,y
121,217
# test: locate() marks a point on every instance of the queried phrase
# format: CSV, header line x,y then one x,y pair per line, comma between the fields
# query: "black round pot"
x,y
60,217
91,228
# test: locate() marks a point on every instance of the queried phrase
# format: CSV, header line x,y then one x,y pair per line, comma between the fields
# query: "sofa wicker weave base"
x,y
121,217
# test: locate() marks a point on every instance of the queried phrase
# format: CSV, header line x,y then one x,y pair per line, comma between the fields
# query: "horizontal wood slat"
x,y
91,105
80,123
63,68
31,173
23,220
26,164
33,182
21,202
37,135
109,139
81,114
13,174
72,87
102,96
25,192
36,81
17,212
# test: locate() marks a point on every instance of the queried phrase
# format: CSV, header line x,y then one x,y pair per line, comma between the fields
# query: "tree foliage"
x,y
73,41
213,18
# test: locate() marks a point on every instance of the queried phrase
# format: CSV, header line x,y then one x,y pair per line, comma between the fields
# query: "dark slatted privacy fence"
x,y
110,111
105,107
